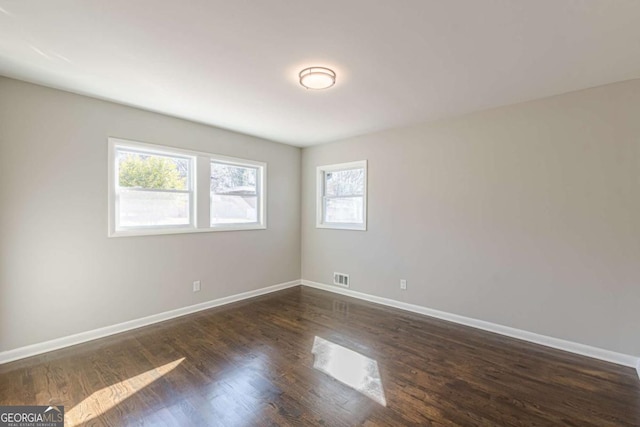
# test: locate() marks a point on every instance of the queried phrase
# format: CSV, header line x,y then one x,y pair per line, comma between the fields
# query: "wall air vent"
x,y
341,279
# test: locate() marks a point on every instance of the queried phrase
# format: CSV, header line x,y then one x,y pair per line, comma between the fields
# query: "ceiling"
x,y
234,64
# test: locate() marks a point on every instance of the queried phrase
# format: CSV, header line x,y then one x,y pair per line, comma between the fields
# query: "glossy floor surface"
x,y
308,357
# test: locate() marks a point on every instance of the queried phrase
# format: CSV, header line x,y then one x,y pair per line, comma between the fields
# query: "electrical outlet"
x,y
341,279
403,284
196,286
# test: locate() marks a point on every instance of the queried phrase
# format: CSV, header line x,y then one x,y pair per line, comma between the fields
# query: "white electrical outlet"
x,y
196,286
403,284
341,279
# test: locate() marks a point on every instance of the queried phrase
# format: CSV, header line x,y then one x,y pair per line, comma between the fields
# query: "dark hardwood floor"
x,y
252,363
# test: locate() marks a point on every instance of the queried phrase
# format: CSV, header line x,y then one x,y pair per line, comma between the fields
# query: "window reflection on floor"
x,y
349,367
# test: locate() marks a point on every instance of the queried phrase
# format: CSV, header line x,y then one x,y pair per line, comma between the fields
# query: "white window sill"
x,y
185,230
355,227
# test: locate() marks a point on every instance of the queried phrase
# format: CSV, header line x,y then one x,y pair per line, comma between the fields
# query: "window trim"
x,y
320,196
200,192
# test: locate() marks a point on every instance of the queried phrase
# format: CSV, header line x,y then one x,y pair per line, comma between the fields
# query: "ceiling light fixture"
x,y
317,78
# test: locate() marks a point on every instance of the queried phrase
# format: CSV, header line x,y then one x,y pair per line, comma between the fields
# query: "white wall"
x,y
526,216
60,274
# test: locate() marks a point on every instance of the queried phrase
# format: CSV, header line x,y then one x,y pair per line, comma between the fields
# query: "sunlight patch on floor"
x,y
105,399
359,372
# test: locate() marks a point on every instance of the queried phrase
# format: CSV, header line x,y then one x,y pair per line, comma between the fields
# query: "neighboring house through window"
x,y
235,194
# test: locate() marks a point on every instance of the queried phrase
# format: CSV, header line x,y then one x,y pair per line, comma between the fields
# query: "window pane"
x,y
344,183
233,180
232,209
152,171
344,210
147,208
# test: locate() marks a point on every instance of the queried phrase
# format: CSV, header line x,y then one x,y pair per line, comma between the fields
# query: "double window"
x,y
342,196
158,190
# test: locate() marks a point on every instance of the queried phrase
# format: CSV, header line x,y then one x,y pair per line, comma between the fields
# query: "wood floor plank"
x,y
251,364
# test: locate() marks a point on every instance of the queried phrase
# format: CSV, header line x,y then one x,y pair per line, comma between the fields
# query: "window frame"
x,y
321,172
261,193
200,194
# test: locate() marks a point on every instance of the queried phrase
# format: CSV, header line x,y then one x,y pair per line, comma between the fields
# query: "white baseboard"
x,y
582,349
573,347
55,344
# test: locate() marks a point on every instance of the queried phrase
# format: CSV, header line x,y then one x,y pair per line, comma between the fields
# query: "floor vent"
x,y
341,279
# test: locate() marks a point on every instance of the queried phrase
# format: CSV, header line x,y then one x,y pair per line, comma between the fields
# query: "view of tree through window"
x,y
153,190
156,189
342,196
226,179
152,172
345,183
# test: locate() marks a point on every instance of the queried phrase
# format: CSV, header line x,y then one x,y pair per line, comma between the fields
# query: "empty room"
x,y
337,213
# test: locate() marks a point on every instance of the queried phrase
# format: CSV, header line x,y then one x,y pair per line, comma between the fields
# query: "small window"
x,y
342,196
235,194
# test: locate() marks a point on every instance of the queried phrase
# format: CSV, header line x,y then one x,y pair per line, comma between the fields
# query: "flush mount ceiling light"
x,y
317,78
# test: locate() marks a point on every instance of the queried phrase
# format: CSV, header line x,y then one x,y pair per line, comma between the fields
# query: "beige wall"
x,y
526,216
60,274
